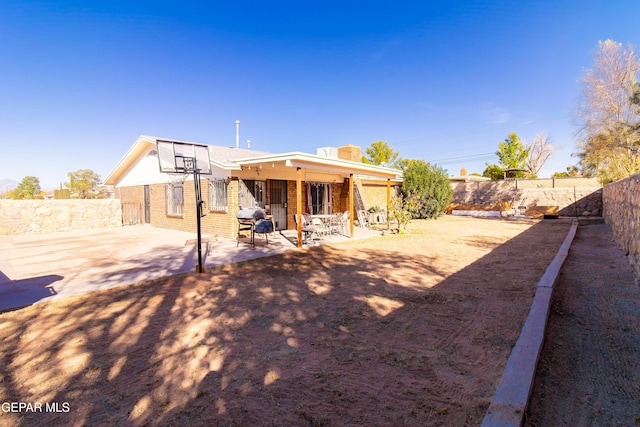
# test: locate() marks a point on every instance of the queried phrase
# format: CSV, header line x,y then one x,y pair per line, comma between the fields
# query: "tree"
x,y
606,117
539,152
29,188
572,171
494,172
380,152
512,153
82,183
62,193
429,184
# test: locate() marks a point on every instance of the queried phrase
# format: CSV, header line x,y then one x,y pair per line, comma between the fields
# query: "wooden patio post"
x,y
351,215
299,204
388,202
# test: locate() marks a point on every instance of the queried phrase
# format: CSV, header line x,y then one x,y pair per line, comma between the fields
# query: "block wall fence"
x,y
574,197
622,212
46,216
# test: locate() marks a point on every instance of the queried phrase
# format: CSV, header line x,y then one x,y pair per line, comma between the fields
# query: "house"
x,y
282,184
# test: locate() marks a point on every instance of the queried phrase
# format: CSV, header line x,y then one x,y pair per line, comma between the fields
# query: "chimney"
x,y
350,152
464,172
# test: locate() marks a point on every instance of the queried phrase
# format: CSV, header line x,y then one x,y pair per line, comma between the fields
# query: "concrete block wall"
x,y
571,201
622,213
47,216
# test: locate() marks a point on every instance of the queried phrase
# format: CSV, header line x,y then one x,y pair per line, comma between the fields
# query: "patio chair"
x,y
321,228
382,217
307,229
340,223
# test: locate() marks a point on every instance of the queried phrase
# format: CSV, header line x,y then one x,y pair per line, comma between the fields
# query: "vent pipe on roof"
x,y
237,133
248,144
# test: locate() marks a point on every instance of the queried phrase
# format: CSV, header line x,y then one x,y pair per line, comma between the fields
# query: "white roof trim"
x,y
310,161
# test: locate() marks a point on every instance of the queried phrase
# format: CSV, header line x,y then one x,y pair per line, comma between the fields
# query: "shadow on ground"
x,y
333,335
21,293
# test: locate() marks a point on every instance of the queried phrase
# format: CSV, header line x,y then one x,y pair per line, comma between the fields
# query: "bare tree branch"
x,y
539,152
608,122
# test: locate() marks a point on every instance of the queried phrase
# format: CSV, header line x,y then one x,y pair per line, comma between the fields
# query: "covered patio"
x,y
303,168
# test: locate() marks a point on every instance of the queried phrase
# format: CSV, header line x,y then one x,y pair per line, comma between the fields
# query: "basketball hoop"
x,y
185,164
177,160
177,177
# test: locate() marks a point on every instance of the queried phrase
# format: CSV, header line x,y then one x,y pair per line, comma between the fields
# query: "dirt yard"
x,y
408,329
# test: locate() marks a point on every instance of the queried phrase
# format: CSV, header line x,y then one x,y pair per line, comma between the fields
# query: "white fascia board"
x,y
226,166
309,161
377,180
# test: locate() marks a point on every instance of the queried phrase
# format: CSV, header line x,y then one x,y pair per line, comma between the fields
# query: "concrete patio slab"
x,y
41,267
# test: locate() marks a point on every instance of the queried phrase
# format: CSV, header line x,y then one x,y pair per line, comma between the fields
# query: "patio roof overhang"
x,y
321,164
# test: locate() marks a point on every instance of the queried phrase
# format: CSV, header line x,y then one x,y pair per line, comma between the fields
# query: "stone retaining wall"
x,y
46,216
571,201
622,213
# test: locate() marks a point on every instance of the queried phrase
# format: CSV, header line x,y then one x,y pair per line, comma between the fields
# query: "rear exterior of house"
x,y
242,178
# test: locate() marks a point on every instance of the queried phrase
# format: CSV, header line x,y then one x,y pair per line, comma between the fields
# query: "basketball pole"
x,y
196,184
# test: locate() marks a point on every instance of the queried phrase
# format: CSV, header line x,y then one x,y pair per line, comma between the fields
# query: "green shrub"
x,y
430,185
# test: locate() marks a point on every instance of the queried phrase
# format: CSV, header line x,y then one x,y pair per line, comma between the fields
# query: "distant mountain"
x,y
7,184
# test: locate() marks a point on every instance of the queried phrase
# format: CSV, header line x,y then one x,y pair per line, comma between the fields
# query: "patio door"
x,y
278,203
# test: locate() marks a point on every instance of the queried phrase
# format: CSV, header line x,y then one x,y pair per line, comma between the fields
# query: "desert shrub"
x,y
401,210
430,185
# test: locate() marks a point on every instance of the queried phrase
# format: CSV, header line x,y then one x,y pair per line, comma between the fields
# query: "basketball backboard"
x,y
172,154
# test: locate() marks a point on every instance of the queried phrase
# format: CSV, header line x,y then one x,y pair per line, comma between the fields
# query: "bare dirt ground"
x,y
588,373
396,330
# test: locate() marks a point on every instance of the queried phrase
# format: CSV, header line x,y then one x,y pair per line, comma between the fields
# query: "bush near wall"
x,y
46,216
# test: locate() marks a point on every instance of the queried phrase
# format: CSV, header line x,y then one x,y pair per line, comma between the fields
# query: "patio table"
x,y
327,219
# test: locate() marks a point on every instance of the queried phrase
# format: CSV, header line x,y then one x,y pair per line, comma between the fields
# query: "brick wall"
x,y
622,213
131,194
46,216
223,224
375,195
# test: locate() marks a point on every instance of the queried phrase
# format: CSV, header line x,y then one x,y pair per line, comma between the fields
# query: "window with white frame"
x,y
175,199
218,195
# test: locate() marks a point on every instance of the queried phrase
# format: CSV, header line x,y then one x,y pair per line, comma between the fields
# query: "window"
x,y
252,193
175,199
319,198
218,195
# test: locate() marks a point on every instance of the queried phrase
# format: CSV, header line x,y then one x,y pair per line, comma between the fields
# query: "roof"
x,y
231,158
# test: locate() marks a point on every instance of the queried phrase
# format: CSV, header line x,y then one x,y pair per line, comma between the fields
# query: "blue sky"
x,y
442,81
